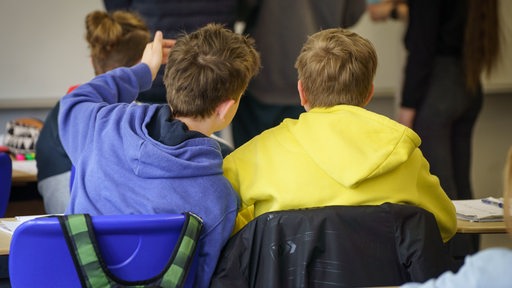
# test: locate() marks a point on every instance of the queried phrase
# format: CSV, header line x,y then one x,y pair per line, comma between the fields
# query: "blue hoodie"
x,y
124,168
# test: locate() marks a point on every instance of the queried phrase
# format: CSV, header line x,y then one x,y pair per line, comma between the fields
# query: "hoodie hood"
x,y
374,144
164,140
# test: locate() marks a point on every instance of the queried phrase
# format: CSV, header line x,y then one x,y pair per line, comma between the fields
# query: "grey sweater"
x,y
280,28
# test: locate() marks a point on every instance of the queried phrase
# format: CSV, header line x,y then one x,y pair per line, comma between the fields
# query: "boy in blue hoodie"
x,y
148,159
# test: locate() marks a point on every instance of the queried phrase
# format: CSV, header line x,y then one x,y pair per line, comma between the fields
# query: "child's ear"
x,y
224,108
303,98
370,96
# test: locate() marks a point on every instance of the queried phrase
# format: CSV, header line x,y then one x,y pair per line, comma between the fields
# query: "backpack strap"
x,y
184,251
93,271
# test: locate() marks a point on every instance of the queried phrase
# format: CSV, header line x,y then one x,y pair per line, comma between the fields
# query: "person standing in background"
x,y
382,10
114,39
449,45
280,27
173,18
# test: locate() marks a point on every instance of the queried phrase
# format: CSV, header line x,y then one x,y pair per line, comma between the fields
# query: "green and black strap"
x,y
93,271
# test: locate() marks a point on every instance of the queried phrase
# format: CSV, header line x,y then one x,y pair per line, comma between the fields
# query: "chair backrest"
x,y
336,246
133,247
5,181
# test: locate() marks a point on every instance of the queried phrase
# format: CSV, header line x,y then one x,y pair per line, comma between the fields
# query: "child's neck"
x,y
204,126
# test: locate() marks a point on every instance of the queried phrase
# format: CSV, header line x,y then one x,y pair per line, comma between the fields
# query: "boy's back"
x,y
337,153
146,159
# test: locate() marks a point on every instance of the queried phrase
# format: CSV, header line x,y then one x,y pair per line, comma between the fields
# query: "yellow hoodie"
x,y
343,155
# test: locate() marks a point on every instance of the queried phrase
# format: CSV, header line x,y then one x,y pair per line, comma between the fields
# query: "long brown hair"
x,y
482,40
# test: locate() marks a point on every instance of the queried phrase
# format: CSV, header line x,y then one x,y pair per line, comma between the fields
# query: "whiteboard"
x,y
44,51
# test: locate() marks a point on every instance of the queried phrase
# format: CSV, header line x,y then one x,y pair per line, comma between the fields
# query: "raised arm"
x,y
157,52
90,103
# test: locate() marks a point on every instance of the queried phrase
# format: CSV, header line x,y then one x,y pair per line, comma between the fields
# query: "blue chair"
x,y
5,181
133,247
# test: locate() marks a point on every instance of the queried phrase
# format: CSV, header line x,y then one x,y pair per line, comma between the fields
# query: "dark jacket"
x,y
435,28
174,18
335,246
50,155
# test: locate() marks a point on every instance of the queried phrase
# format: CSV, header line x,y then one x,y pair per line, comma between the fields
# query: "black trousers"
x,y
445,122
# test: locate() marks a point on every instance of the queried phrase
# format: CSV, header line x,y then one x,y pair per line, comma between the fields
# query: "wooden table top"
x,y
24,171
462,227
23,177
481,227
5,239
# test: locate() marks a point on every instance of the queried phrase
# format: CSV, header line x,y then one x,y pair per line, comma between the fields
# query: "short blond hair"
x,y
208,67
336,66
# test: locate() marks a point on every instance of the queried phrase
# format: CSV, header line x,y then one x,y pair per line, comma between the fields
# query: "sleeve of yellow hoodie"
x,y
432,197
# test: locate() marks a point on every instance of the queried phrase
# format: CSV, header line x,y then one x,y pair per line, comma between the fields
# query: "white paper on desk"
x,y
10,225
27,166
477,211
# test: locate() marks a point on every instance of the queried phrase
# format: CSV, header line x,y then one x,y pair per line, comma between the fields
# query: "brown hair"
x,y
337,66
115,39
208,67
481,41
507,193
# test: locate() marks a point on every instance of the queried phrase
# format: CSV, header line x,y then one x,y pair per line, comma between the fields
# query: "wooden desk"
x,y
24,171
462,227
481,227
5,239
23,177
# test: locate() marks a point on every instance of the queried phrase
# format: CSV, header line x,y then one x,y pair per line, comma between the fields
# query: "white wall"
x,y
43,50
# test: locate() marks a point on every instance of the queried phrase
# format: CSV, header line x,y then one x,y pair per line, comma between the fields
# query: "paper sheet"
x,y
477,211
10,225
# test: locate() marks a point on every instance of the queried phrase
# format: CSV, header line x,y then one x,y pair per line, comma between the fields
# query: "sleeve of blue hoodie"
x,y
487,268
80,109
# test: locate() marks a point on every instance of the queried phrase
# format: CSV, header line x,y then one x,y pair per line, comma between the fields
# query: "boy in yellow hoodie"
x,y
337,152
